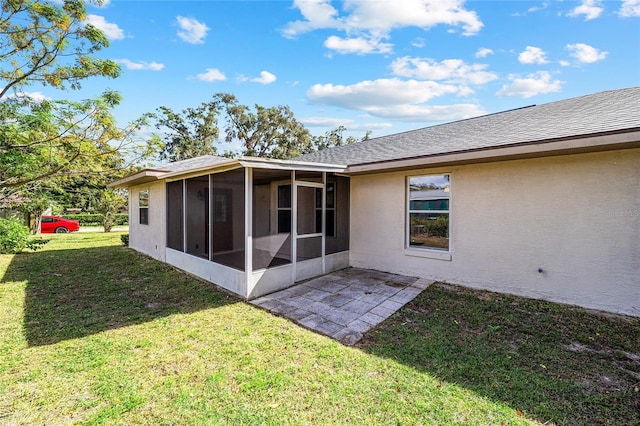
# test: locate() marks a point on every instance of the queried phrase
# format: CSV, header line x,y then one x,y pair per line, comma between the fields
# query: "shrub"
x,y
108,221
438,227
85,219
94,219
15,237
121,219
125,239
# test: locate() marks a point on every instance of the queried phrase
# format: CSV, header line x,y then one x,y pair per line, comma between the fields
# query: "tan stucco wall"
x,y
148,239
576,216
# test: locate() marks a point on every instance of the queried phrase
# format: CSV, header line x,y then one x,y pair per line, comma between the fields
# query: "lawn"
x,y
93,333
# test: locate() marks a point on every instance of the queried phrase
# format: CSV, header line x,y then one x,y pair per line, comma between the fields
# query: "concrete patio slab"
x,y
344,304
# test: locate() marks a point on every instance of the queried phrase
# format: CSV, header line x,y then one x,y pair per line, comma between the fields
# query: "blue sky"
x,y
386,66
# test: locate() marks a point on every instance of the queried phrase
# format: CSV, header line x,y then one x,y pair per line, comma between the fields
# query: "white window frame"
x,y
279,209
427,252
140,206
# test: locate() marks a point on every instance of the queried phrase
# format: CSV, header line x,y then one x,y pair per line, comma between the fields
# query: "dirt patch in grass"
x,y
555,363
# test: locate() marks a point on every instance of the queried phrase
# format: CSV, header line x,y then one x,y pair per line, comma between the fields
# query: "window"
x,y
143,204
175,215
284,209
428,212
331,209
337,228
196,216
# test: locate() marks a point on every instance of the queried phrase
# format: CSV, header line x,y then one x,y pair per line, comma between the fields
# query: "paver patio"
x,y
344,304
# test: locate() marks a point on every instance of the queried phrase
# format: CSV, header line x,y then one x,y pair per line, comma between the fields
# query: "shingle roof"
x,y
604,112
191,163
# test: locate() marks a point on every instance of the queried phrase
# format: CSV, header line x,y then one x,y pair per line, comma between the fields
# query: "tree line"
x,y
271,132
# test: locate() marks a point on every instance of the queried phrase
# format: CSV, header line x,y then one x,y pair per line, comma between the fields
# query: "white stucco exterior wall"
x,y
577,217
148,239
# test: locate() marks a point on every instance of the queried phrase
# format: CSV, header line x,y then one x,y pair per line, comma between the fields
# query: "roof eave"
x,y
145,176
590,143
270,163
226,165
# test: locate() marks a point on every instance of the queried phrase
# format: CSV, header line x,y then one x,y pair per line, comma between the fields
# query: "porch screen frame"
x,y
294,203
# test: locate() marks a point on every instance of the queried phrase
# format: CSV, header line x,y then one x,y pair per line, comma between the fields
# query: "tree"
x,y
335,138
33,204
270,132
190,133
49,43
41,42
44,139
111,201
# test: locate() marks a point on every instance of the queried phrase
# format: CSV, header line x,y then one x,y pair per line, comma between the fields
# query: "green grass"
x,y
93,333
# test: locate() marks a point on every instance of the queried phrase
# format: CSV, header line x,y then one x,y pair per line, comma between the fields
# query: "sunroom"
x,y
249,225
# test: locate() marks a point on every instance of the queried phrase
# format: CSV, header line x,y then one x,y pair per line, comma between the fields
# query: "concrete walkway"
x,y
344,304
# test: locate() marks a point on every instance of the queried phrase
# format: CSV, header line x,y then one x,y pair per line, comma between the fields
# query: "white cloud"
x,y
630,8
211,75
449,70
317,13
191,30
136,66
564,63
386,15
367,22
395,99
265,78
533,9
111,31
426,113
532,55
335,122
532,85
36,96
591,9
378,92
483,52
370,126
419,42
326,121
537,8
586,54
358,45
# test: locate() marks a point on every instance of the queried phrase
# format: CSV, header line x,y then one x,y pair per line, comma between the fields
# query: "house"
x,y
541,201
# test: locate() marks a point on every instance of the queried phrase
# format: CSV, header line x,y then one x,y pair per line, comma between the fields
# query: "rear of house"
x,y
541,202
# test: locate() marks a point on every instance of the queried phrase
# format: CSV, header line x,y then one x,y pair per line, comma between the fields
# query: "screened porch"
x,y
255,227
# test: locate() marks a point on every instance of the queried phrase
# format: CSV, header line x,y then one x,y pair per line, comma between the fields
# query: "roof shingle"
x,y
191,163
604,112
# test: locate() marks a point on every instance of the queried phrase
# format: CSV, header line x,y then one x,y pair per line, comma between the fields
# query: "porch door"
x,y
222,225
309,229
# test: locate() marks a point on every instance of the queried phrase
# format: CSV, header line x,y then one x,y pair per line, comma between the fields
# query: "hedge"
x,y
438,227
89,219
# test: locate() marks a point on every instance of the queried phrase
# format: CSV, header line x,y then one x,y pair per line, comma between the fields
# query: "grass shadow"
x,y
73,293
554,363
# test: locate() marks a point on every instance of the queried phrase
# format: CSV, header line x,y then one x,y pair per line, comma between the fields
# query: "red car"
x,y
58,225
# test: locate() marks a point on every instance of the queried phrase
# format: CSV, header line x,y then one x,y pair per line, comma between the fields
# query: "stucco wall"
x,y
149,239
577,217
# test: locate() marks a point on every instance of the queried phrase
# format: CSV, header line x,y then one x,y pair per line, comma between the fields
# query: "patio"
x,y
344,304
